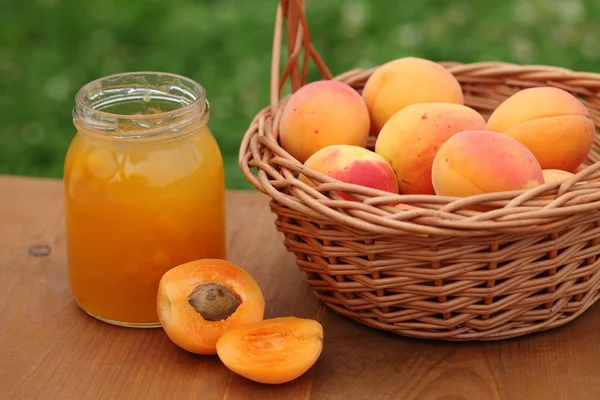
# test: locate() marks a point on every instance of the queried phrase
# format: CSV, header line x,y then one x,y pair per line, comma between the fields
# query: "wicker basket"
x,y
442,271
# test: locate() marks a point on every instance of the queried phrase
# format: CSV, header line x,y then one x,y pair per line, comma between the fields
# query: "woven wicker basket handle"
x,y
298,41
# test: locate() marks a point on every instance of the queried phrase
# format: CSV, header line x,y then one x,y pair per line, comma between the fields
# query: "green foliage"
x,y
50,48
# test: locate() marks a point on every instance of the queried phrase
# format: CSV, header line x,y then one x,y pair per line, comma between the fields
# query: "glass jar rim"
x,y
80,95
137,88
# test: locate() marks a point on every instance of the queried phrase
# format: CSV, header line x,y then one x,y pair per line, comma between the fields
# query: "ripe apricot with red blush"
x,y
320,114
272,351
200,300
478,161
355,165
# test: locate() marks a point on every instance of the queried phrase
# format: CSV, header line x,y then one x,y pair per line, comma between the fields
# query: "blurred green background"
x,y
50,48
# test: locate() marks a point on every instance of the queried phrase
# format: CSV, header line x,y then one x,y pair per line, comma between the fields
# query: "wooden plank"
x,y
49,349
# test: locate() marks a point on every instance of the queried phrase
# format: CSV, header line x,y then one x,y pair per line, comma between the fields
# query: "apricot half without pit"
x,y
272,351
201,299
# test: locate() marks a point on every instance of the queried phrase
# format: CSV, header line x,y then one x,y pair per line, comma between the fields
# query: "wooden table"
x,y
49,349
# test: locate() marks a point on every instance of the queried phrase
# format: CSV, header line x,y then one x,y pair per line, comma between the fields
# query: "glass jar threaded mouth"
x,y
140,105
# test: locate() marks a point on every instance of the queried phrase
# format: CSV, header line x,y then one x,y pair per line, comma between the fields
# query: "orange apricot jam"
x,y
144,192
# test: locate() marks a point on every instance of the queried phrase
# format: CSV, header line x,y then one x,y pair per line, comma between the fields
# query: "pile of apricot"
x,y
212,306
427,140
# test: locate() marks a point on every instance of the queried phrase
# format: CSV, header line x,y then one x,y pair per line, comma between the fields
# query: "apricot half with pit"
x,y
272,351
200,300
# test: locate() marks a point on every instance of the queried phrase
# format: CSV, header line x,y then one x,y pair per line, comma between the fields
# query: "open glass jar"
x,y
144,191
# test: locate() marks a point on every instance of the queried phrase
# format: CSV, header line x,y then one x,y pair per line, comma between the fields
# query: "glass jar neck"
x,y
141,105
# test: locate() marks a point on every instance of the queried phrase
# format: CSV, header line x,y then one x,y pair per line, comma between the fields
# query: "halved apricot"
x,y
200,300
272,351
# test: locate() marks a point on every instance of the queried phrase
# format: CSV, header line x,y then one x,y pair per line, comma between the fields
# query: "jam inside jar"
x,y
144,191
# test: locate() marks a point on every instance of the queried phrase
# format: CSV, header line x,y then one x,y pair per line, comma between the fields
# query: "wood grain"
x,y
49,349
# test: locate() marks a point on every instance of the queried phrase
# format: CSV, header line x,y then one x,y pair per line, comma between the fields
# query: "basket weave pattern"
x,y
449,269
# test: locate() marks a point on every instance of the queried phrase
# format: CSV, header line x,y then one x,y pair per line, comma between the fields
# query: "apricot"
x,y
406,81
320,114
353,164
475,162
199,300
551,122
272,351
411,138
552,175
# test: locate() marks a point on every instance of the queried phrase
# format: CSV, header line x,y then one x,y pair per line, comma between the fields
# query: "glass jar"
x,y
144,191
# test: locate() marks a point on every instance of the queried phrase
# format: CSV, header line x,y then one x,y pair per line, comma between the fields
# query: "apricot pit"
x,y
213,301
